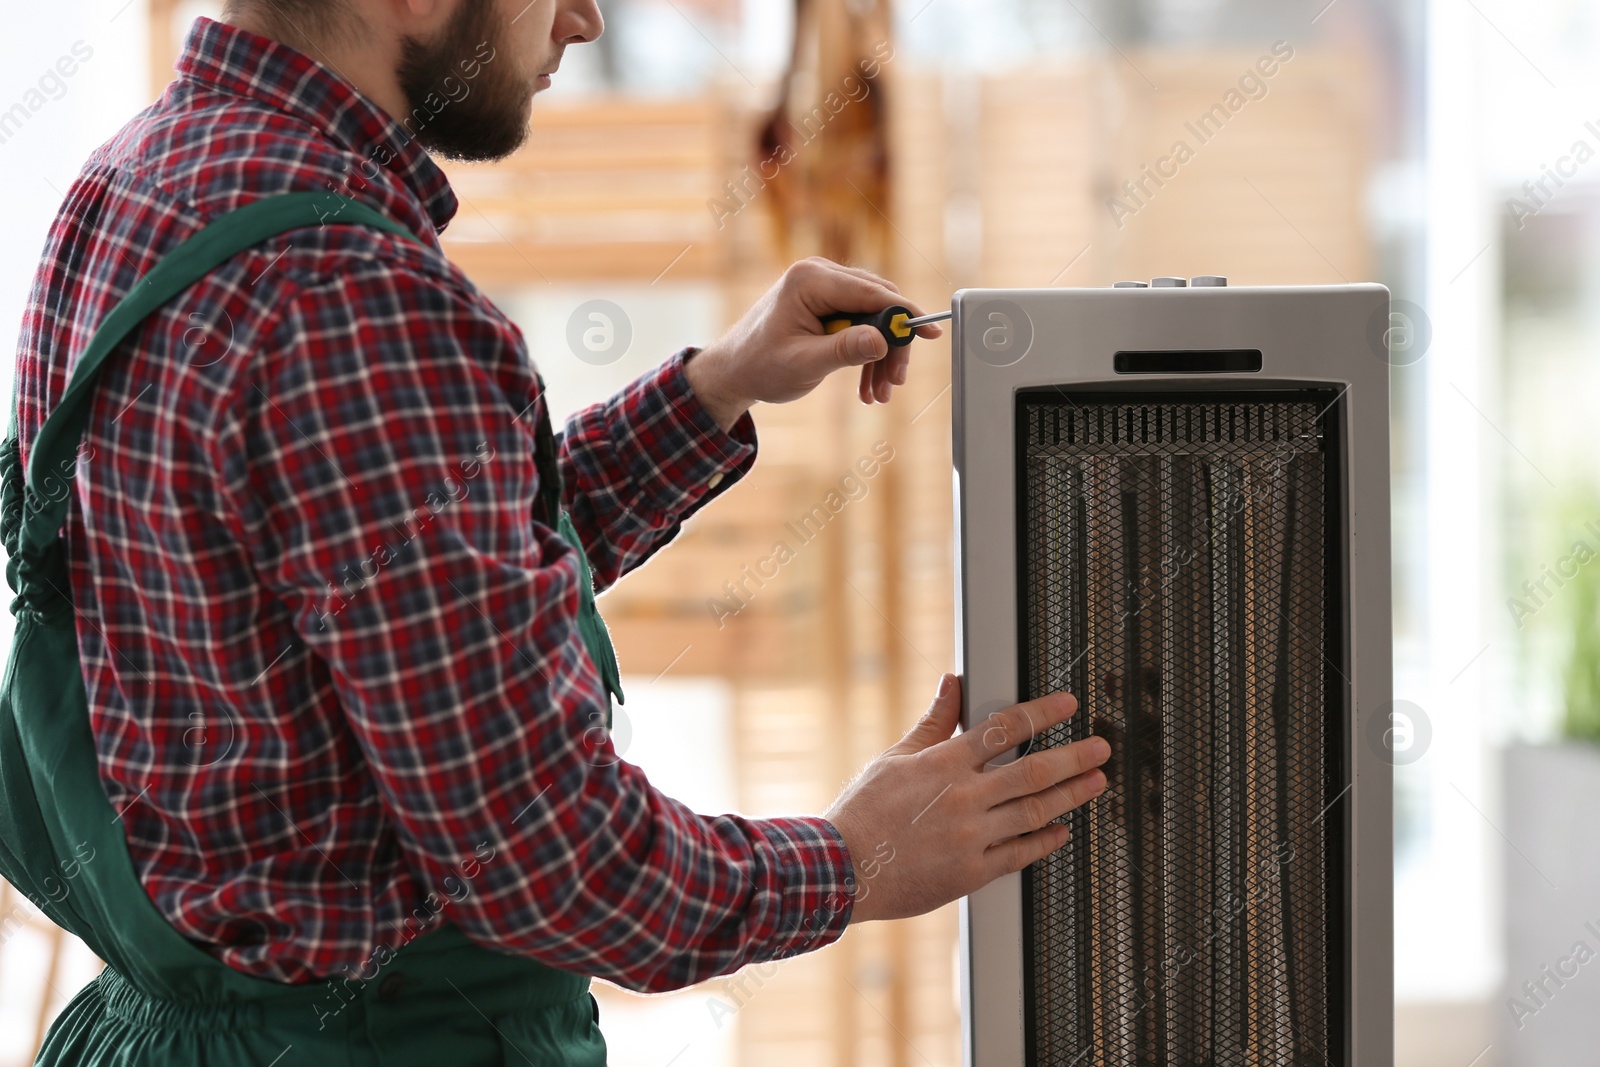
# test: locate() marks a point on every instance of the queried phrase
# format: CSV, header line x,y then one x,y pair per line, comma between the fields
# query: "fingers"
x,y
938,722
858,345
930,331
862,272
878,379
890,372
1027,814
897,367
824,287
1038,771
1010,727
1011,856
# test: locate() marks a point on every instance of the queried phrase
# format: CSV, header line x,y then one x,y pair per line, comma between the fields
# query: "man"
x,y
340,700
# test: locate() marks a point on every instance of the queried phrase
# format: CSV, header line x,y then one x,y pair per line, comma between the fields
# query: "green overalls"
x,y
438,1001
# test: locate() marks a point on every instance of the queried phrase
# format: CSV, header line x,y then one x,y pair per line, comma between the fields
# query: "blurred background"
x,y
1447,148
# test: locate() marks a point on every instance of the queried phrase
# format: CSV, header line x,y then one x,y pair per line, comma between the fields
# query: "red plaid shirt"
x,y
328,634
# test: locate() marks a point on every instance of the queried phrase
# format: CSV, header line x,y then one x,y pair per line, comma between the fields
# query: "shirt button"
x,y
714,481
390,988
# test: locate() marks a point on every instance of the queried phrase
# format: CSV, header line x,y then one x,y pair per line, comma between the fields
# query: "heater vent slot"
x,y
1176,574
1221,361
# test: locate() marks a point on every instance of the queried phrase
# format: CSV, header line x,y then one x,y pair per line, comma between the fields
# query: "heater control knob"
x,y
1131,285
1209,281
1170,283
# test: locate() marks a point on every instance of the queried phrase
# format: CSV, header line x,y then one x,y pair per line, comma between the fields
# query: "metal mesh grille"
x,y
1175,578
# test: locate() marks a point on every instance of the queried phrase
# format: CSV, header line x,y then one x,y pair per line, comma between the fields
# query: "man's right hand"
x,y
928,821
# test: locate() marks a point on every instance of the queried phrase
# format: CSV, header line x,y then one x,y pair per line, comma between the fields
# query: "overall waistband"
x,y
488,982
472,1011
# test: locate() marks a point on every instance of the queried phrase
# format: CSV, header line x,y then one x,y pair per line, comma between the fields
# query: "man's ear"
x,y
413,18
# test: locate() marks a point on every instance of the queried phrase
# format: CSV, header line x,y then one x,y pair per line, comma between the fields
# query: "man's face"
x,y
470,87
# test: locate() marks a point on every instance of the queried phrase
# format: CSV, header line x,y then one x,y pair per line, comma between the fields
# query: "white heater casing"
x,y
1006,341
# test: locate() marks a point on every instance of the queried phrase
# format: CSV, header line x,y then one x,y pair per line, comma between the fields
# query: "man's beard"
x,y
475,118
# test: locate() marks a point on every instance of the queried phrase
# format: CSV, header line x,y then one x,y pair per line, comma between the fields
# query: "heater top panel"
x,y
1010,339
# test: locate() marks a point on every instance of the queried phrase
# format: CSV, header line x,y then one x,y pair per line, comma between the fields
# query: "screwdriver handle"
x,y
891,322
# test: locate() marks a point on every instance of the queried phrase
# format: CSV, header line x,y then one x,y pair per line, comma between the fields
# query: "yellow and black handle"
x,y
892,322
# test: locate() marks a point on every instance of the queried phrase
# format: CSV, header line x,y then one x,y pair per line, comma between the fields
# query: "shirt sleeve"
x,y
386,483
635,467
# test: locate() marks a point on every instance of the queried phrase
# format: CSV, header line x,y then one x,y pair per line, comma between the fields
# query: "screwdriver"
x,y
895,323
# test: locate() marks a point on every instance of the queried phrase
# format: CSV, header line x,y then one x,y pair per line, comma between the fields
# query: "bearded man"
x,y
332,577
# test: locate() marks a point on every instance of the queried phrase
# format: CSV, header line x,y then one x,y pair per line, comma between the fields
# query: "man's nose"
x,y
579,22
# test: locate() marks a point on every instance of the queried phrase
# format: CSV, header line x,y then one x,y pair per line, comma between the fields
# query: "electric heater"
x,y
1173,501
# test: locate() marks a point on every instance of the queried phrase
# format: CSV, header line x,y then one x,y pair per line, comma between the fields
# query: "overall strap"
x,y
52,463
58,439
